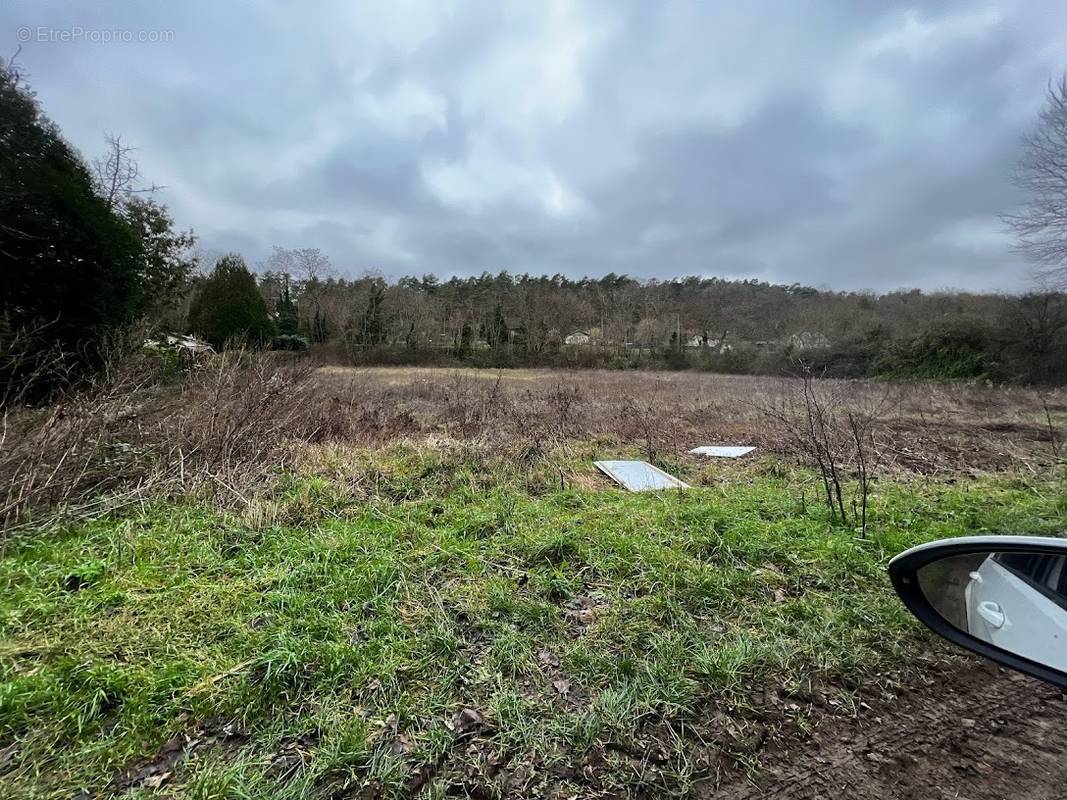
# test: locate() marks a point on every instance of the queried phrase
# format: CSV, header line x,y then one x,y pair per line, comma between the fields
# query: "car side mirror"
x,y
1003,597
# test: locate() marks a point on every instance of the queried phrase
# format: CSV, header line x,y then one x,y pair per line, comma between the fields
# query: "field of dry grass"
x,y
235,421
919,428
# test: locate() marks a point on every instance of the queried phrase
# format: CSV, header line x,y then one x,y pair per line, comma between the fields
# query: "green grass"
x,y
343,633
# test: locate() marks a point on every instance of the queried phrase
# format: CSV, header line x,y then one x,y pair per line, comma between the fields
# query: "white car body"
x,y
1006,609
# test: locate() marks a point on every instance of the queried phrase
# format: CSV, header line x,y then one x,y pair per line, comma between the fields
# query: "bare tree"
x,y
117,173
311,264
310,270
305,264
205,258
12,66
1041,172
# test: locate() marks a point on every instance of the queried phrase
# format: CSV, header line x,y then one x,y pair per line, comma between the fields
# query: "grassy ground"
x,y
411,619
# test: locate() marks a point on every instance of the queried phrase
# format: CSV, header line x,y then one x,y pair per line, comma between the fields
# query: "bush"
x,y
676,358
169,359
855,357
959,350
1033,333
220,428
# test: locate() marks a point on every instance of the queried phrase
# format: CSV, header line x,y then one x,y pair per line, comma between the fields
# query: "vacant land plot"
x,y
430,591
921,428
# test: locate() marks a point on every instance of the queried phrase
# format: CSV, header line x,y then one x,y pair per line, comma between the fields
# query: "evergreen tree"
x,y
285,310
466,340
166,262
70,264
230,307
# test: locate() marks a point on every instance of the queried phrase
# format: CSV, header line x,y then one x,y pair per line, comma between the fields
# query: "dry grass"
x,y
240,418
927,428
130,436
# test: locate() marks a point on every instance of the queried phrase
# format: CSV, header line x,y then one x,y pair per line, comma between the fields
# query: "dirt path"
x,y
976,733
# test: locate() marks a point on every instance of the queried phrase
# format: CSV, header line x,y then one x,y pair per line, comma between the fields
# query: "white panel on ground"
x,y
717,451
639,476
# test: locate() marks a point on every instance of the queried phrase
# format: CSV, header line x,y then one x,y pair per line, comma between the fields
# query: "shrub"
x,y
119,439
168,357
676,358
957,350
855,357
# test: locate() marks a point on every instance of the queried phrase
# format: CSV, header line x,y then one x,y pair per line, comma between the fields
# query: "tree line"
x,y
88,253
506,320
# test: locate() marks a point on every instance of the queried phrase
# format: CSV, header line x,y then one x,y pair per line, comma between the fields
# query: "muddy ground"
x,y
979,732
969,730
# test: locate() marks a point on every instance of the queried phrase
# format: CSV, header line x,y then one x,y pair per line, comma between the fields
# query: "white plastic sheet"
x,y
721,451
639,476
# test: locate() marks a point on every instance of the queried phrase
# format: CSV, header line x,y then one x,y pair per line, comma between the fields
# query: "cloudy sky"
x,y
845,144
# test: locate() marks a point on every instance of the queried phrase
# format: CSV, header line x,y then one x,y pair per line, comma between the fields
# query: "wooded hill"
x,y
711,323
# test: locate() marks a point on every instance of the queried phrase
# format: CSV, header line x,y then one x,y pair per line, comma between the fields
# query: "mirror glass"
x,y
1016,601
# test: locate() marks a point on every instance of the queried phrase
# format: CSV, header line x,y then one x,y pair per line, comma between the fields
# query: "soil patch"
x,y
974,733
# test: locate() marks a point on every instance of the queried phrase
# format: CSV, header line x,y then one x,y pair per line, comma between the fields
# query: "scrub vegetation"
x,y
372,584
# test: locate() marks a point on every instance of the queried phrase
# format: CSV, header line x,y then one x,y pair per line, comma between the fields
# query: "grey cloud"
x,y
844,144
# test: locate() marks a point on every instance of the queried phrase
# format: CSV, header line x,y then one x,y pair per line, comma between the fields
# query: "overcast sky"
x,y
842,144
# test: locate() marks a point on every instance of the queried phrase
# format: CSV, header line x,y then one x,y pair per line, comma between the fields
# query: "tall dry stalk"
x,y
230,423
832,433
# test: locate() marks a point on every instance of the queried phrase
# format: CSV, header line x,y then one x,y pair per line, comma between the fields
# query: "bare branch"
x,y
1040,226
116,174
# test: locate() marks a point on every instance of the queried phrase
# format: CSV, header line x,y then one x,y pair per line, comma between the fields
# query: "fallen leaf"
x,y
548,658
562,686
466,719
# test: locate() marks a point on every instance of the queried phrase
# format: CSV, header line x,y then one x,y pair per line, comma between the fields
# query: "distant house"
x,y
577,338
715,345
808,340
